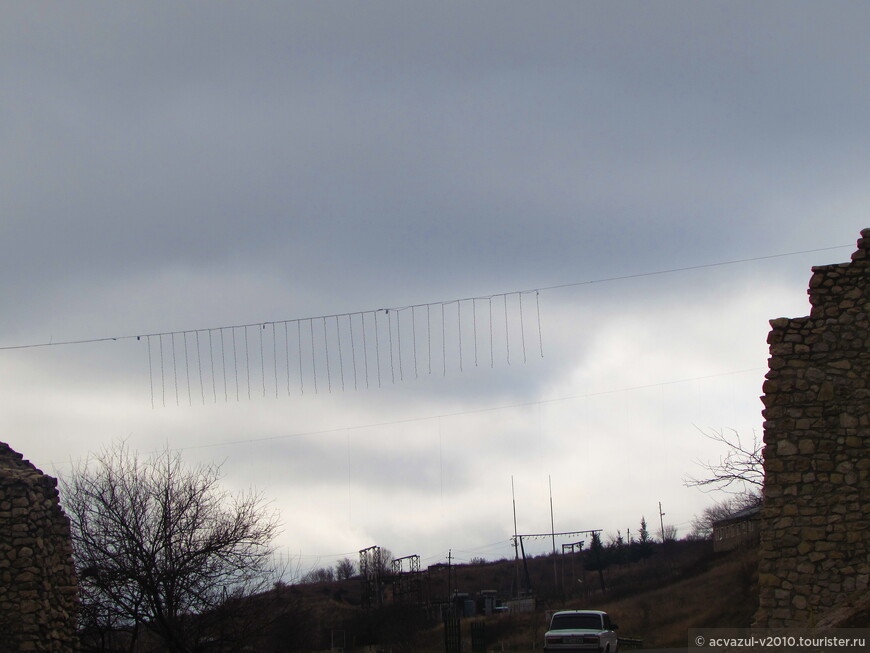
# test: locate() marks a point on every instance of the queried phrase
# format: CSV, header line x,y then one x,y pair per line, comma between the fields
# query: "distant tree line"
x,y
344,569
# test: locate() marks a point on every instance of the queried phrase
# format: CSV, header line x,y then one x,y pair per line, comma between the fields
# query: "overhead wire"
x,y
436,303
395,347
211,363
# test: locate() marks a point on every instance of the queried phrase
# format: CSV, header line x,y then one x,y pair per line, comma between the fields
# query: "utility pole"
x,y
449,577
516,541
553,533
662,521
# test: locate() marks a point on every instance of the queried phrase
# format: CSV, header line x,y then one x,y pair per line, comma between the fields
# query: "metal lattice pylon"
x,y
371,566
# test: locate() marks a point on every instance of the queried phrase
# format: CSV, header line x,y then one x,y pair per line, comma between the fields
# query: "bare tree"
x,y
739,470
319,575
345,569
385,562
159,545
702,525
669,534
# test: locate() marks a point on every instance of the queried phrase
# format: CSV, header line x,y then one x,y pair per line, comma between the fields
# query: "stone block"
x,y
786,448
806,446
849,421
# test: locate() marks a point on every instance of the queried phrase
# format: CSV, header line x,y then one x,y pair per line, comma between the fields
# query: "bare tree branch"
x,y
738,470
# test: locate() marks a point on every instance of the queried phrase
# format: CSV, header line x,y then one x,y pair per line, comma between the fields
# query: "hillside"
x,y
679,586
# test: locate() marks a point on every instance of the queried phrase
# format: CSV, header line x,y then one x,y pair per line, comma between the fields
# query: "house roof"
x,y
740,515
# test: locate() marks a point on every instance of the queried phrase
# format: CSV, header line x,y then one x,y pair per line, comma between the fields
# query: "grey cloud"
x,y
235,141
169,166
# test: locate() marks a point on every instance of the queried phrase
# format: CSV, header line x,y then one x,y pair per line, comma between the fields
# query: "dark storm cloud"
x,y
488,144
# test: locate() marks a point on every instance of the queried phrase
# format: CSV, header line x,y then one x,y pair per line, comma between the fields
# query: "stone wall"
x,y
38,599
815,542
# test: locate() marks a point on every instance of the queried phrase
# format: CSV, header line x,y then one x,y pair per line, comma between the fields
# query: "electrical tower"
x,y
407,583
371,569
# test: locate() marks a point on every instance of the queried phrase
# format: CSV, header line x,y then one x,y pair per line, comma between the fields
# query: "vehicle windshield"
x,y
576,622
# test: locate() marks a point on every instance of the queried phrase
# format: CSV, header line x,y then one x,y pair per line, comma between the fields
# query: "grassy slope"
x,y
680,586
659,599
725,594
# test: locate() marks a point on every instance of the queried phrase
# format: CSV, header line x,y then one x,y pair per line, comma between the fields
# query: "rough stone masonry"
x,y
38,596
815,541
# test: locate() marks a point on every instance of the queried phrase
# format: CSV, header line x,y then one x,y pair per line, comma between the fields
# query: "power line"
x,y
386,346
691,267
504,295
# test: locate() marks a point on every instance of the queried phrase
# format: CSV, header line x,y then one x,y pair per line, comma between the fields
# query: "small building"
x,y
740,529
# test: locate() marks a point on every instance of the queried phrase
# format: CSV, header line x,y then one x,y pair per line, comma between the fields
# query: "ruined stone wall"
x,y
38,604
815,543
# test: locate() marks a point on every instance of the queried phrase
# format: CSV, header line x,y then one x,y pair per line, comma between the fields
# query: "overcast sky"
x,y
188,167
